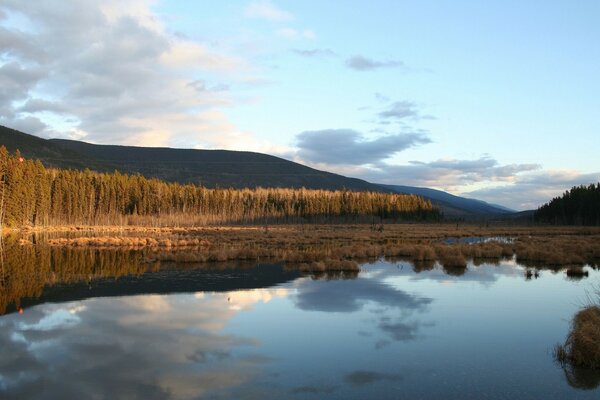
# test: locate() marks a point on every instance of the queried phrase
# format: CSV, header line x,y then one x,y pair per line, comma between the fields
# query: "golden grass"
x,y
128,242
533,246
582,347
451,256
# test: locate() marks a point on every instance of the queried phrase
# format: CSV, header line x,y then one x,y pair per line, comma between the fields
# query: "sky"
x,y
494,100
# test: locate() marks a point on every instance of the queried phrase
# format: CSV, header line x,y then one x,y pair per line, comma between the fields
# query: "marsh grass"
x,y
128,242
37,258
582,346
534,247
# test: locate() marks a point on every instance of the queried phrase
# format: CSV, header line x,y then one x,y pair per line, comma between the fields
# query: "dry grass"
x,y
533,246
127,242
582,347
329,265
558,250
451,256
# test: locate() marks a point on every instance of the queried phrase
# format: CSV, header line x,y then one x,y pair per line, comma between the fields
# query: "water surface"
x,y
389,332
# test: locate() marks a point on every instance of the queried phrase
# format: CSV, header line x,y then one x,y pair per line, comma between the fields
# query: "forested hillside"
x,y
578,206
31,194
209,168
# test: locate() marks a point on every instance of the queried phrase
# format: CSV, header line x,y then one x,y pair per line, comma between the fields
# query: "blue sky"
x,y
495,100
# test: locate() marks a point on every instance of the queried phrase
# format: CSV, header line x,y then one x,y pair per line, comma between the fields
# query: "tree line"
x,y
32,195
26,270
578,206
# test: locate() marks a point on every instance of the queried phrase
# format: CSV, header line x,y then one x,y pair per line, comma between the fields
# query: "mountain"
x,y
210,168
219,168
451,205
34,147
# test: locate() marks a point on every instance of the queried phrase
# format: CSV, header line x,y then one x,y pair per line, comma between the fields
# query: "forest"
x,y
578,206
33,195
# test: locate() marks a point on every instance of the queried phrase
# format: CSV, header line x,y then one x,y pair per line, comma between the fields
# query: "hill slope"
x,y
451,205
49,153
210,168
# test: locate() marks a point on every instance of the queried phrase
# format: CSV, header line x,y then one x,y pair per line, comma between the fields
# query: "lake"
x,y
392,331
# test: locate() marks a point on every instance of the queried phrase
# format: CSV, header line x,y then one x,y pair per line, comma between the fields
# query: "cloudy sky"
x,y
498,102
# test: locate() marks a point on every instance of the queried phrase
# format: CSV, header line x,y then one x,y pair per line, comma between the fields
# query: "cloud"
x,y
361,63
517,186
268,11
30,125
294,34
16,81
350,147
400,110
15,43
34,105
314,53
446,173
532,190
118,74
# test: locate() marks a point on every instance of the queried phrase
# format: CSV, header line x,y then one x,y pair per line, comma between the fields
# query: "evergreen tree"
x,y
33,195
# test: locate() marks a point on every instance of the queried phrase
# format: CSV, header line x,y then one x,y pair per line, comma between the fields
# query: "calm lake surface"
x,y
387,333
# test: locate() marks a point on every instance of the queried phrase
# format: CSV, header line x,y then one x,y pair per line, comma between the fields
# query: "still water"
x,y
264,333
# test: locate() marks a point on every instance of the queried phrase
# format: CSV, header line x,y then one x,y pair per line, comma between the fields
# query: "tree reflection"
x,y
31,275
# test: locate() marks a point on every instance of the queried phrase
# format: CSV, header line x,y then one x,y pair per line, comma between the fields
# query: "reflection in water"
x,y
360,378
109,325
455,271
395,308
349,296
582,378
26,270
477,239
142,347
35,274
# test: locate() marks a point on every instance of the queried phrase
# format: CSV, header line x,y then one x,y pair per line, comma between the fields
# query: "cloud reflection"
x,y
393,312
360,377
352,295
138,347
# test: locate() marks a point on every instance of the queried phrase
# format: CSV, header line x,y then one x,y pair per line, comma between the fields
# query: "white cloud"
x,y
529,191
118,74
267,10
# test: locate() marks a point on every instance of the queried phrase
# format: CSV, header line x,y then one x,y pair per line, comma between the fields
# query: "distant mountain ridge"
x,y
219,168
210,168
451,205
